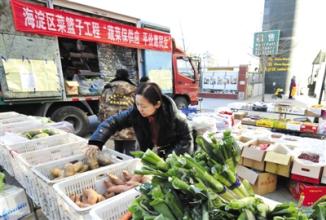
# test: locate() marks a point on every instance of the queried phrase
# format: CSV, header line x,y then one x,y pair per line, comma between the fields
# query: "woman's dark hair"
x,y
144,79
151,91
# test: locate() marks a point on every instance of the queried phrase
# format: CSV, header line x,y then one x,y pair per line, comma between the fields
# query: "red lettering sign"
x,y
37,19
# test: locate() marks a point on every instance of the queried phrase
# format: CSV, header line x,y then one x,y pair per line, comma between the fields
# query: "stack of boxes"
x,y
264,159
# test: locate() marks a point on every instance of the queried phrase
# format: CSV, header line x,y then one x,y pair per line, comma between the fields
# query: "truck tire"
x,y
75,116
181,102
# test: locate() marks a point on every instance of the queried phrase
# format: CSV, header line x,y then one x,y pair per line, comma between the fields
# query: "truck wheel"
x,y
75,116
181,102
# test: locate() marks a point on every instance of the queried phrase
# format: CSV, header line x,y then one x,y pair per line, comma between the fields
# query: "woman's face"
x,y
146,108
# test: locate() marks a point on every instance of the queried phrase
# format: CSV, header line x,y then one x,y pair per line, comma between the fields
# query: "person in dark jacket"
x,y
119,95
157,122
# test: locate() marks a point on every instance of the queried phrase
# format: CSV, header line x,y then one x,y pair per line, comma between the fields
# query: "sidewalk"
x,y
209,104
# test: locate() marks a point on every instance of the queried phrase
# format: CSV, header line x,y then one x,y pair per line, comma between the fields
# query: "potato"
x,y
56,172
84,168
103,160
78,166
92,162
91,196
69,170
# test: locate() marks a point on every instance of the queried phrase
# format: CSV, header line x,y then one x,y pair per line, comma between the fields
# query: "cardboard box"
x,y
13,203
262,183
281,124
254,157
248,121
309,193
278,163
306,172
323,177
267,123
239,115
293,125
71,87
309,128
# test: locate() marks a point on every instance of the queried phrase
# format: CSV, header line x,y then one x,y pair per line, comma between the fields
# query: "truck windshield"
x,y
185,68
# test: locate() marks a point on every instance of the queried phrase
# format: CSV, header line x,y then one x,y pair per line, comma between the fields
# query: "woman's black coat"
x,y
174,133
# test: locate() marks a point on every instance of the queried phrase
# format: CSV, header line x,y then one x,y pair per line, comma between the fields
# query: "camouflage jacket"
x,y
117,96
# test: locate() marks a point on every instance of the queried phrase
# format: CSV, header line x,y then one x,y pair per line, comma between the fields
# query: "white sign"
x,y
220,80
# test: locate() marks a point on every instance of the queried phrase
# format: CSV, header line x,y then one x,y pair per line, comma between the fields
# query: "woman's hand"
x,y
92,150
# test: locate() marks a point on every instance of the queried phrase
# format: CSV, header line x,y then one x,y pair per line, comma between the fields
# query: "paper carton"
x,y
262,183
278,163
306,172
309,128
310,193
323,177
13,203
254,157
278,160
240,115
71,87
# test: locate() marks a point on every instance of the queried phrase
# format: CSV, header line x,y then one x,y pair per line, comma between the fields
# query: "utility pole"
x,y
322,88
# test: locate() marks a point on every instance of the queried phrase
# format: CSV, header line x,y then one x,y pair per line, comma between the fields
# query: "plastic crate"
x,y
24,162
114,208
31,145
21,126
45,184
95,180
18,118
4,115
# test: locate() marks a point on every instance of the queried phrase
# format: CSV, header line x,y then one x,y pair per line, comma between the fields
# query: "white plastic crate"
x,y
31,145
113,209
17,118
24,162
4,115
21,126
95,180
48,196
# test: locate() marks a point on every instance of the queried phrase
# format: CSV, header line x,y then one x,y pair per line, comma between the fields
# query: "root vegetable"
x,y
56,172
108,183
78,166
133,183
108,195
82,205
69,170
103,160
136,178
126,175
91,196
116,180
84,168
73,197
100,198
92,162
119,189
126,216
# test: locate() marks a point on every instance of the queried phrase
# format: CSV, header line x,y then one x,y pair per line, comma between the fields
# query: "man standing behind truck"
x,y
119,95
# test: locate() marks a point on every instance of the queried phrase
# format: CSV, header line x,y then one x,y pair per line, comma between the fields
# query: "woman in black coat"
x,y
156,120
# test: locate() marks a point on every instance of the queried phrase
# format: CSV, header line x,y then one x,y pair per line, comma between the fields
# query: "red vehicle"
x,y
88,61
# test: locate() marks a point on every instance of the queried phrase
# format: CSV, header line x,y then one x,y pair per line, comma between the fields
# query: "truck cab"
x,y
175,71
